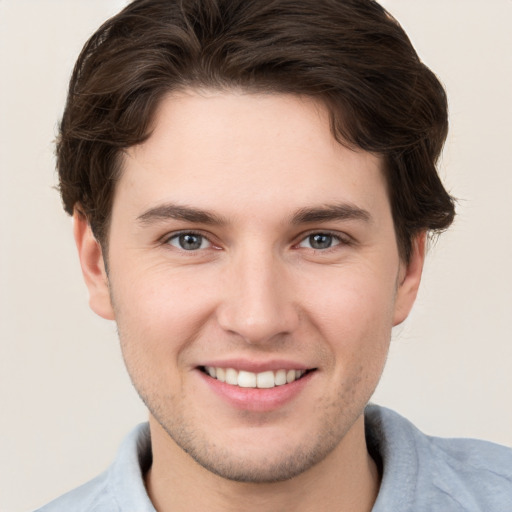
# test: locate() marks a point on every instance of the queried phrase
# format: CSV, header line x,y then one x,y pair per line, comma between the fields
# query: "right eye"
x,y
320,241
189,241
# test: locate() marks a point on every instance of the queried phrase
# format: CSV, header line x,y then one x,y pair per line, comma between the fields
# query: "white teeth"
x,y
243,379
232,376
246,379
265,380
280,377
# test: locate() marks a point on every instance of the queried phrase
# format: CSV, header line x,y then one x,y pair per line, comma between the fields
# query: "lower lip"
x,y
257,399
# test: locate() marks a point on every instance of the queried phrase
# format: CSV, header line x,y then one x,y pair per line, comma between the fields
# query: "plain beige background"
x,y
65,400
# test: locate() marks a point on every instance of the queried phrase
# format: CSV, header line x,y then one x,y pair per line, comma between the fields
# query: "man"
x,y
252,185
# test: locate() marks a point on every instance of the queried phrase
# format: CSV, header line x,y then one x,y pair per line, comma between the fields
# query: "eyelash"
x,y
167,239
341,239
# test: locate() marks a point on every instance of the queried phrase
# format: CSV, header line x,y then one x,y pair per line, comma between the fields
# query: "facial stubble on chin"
x,y
334,419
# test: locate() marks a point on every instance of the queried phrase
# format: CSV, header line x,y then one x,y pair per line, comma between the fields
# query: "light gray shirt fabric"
x,y
419,473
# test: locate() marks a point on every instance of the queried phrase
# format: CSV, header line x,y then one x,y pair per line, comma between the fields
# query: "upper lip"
x,y
257,366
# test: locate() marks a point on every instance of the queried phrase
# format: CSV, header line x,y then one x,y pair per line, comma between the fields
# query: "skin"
x,y
257,290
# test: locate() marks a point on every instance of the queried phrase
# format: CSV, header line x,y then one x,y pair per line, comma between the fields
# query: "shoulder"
x,y
450,474
94,496
120,488
480,470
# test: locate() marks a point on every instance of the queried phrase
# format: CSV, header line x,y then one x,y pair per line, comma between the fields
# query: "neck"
x,y
347,479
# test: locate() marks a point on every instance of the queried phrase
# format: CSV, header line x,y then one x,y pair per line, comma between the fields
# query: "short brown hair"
x,y
350,54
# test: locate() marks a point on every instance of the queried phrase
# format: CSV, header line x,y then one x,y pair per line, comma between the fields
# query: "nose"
x,y
258,304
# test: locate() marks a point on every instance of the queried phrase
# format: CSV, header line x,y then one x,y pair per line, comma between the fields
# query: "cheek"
x,y
161,312
354,313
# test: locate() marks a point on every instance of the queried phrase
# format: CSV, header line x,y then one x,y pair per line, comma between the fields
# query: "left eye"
x,y
319,241
189,241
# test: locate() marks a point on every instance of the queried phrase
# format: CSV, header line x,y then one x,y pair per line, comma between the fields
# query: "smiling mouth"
x,y
262,380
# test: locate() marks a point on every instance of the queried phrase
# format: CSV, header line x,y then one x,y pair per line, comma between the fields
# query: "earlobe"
x,y
409,280
93,266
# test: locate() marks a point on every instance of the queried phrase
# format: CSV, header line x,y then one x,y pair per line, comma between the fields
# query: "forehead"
x,y
238,151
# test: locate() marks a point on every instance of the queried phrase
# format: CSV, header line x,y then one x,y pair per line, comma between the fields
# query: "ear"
x,y
409,280
93,266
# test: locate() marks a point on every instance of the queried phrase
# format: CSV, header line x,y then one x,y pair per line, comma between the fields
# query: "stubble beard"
x,y
283,463
191,435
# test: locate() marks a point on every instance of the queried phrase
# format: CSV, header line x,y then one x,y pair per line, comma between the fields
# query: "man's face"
x,y
247,243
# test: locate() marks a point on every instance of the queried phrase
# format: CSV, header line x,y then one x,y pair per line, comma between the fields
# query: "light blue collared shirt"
x,y
420,473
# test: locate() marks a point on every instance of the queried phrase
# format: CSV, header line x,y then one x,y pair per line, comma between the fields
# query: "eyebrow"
x,y
331,212
325,213
178,212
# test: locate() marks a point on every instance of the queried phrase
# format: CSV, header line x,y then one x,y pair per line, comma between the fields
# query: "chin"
x,y
258,456
260,470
